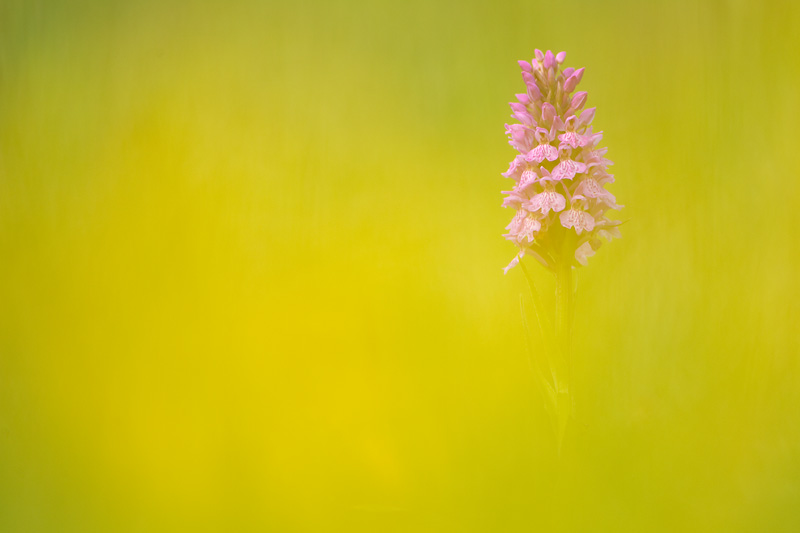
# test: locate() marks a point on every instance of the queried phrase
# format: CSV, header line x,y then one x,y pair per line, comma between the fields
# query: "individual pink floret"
x,y
523,226
527,180
520,137
571,137
544,150
549,60
591,188
567,168
514,262
546,201
582,254
516,168
578,219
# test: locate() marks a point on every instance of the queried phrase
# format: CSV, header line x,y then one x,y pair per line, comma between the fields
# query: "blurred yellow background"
x,y
251,269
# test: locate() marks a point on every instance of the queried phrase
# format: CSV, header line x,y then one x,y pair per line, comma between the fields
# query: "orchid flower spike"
x,y
560,173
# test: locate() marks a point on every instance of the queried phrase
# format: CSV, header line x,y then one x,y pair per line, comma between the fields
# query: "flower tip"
x,y
524,65
528,78
539,55
533,91
587,116
560,57
548,112
549,60
571,83
578,100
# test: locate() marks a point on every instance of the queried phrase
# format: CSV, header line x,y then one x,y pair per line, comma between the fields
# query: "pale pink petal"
x,y
593,138
575,140
575,218
583,252
541,135
521,137
529,178
571,83
516,167
548,112
513,200
567,169
591,188
516,222
529,226
534,93
525,117
610,233
578,100
549,60
586,116
533,88
514,262
545,174
594,158
547,201
542,152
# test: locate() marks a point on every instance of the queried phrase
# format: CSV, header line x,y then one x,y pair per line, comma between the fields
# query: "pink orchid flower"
x,y
544,150
560,174
546,201
567,168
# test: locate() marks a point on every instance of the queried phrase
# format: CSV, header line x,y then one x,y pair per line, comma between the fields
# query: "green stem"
x,y
548,391
564,302
564,297
546,331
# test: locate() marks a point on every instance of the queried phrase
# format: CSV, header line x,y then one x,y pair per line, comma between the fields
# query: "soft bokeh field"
x,y
250,269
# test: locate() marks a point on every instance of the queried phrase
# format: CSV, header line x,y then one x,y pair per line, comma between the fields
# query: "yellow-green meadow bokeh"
x,y
251,269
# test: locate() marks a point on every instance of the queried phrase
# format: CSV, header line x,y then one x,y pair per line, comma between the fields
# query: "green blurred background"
x,y
251,253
